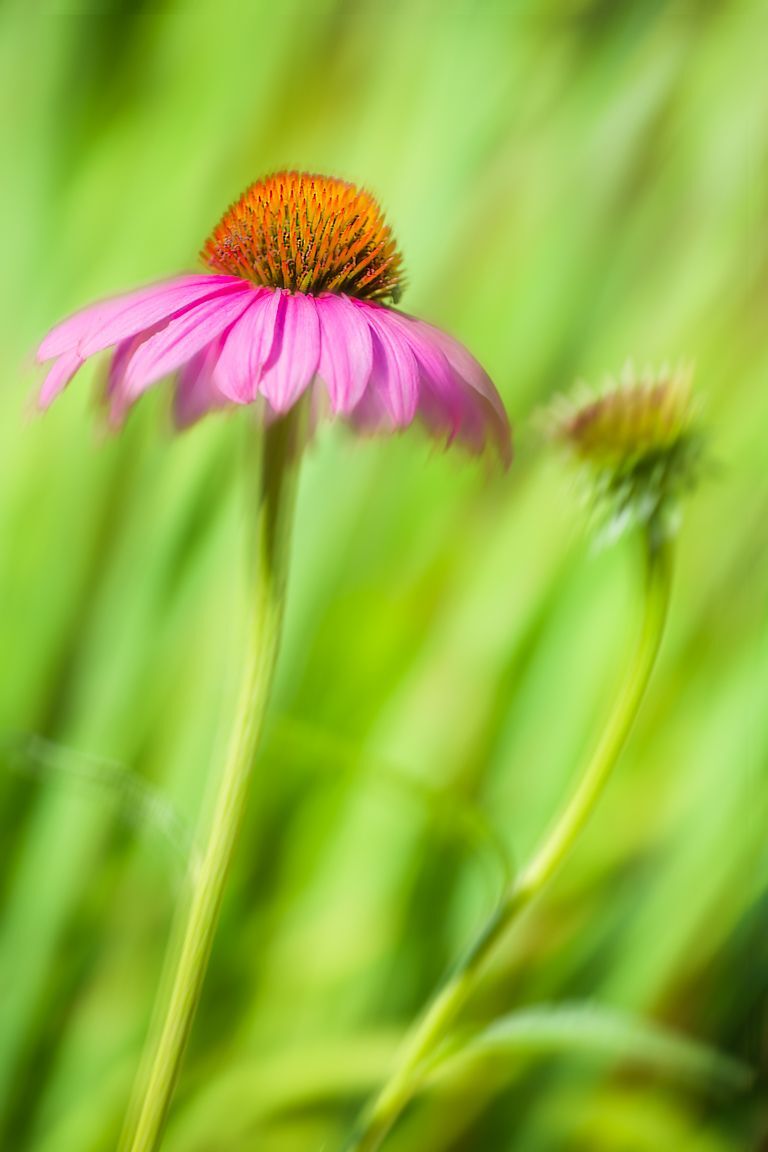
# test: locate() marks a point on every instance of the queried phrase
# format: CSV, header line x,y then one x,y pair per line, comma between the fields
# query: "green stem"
x,y
431,1030
165,1050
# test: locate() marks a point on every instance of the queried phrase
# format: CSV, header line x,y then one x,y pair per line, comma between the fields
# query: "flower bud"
x,y
636,444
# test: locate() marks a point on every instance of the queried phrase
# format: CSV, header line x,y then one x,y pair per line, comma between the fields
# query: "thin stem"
x,y
165,1050
431,1030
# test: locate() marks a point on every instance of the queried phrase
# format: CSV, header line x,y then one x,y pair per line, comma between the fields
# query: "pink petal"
x,y
117,395
474,376
295,353
111,321
58,377
370,413
196,393
346,351
66,335
118,365
442,396
247,348
181,338
395,373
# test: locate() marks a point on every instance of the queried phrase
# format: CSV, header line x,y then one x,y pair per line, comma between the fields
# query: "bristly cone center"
x,y
308,233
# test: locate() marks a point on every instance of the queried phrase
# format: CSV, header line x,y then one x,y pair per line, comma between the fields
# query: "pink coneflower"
x,y
301,267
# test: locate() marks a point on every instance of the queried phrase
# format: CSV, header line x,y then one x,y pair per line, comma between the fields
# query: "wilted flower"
x,y
637,443
301,270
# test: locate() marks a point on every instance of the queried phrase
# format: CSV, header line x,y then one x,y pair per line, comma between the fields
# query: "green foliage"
x,y
568,190
594,1031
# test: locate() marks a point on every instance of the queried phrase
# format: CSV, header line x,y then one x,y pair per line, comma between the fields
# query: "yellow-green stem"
x,y
275,498
435,1024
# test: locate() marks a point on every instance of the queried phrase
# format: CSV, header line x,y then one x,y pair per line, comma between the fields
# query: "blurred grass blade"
x,y
136,802
453,814
602,1033
231,1105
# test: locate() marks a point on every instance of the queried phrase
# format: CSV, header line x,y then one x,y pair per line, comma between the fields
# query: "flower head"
x,y
308,234
636,442
300,269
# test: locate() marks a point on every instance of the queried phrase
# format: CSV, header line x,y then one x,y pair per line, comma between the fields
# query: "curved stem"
x,y
440,1015
188,964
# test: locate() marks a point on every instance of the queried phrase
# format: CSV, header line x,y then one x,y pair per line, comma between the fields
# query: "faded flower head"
x,y
301,275
637,444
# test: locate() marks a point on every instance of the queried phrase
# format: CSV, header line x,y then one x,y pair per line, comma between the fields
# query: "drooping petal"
x,y
442,402
395,373
116,395
179,339
295,353
118,365
346,352
66,335
196,391
455,396
111,321
482,391
58,377
247,348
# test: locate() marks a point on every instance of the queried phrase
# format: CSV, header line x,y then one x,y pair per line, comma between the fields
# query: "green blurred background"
x,y
570,184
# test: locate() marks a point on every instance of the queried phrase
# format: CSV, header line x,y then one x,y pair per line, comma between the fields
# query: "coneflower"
x,y
295,311
303,275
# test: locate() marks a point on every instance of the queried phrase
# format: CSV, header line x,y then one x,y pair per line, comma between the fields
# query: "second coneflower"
x,y
637,445
302,273
640,448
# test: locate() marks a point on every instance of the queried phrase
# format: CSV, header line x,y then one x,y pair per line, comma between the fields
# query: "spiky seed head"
x,y
311,234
